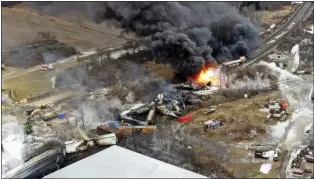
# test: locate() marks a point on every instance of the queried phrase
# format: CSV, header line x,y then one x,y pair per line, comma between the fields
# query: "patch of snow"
x,y
278,130
270,42
296,57
264,110
53,82
291,25
265,168
89,52
271,27
118,54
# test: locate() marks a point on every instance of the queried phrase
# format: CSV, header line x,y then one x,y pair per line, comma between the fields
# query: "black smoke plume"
x,y
185,34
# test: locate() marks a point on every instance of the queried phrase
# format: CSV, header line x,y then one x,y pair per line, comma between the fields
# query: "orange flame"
x,y
205,75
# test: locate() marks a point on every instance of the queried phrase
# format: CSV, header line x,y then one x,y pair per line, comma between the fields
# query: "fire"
x,y
205,75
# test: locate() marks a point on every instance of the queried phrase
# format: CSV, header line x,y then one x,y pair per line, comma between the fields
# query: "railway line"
x,y
270,43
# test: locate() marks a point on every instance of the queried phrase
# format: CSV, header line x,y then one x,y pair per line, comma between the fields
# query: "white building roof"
x,y
118,162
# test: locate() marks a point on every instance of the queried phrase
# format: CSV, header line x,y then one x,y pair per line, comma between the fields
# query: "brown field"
x,y
269,17
238,117
21,25
160,69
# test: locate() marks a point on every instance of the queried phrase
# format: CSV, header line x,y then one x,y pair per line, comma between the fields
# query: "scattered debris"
x,y
260,147
299,163
121,129
61,116
209,110
163,105
48,116
212,124
102,140
107,139
73,146
297,172
276,110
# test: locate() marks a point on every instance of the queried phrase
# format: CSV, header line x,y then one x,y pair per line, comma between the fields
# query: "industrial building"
x,y
118,162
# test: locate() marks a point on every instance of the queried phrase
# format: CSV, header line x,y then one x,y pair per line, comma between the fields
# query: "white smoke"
x,y
12,141
90,114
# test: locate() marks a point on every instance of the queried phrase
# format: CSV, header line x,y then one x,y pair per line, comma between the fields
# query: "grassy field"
x,y
277,17
238,116
34,82
159,69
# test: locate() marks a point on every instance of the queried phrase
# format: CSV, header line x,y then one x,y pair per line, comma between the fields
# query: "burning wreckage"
x,y
168,105
141,117
184,95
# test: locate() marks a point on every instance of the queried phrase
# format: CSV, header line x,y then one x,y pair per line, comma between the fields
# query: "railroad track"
x,y
270,43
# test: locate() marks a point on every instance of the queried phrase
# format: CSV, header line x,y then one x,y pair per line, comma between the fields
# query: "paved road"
x,y
33,81
270,43
69,60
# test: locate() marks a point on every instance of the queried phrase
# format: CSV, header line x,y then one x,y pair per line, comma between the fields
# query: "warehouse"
x,y
118,162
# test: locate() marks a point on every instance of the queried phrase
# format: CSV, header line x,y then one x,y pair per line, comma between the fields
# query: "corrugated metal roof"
x,y
118,162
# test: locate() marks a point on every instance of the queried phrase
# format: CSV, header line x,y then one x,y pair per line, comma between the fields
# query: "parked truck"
x,y
46,68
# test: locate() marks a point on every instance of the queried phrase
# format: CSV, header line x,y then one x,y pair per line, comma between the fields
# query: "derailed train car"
x,y
39,166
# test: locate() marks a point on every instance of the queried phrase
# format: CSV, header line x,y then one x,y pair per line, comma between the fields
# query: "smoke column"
x,y
186,35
